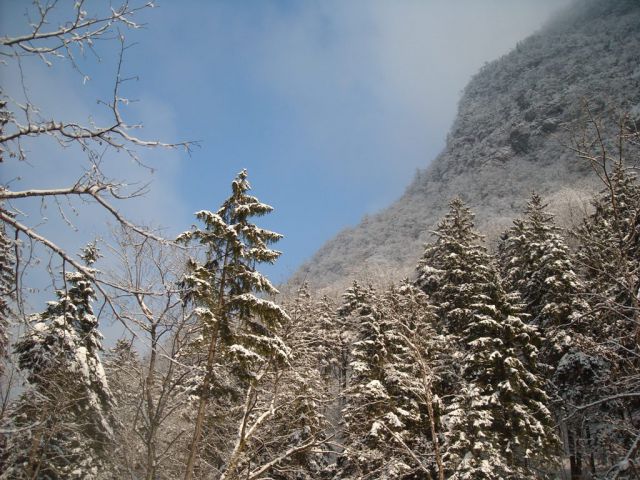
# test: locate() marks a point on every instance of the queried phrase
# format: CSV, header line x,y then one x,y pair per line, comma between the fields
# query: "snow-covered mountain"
x,y
516,121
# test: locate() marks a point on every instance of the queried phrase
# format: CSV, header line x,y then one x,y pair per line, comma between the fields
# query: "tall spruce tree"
x,y
227,290
499,425
538,265
455,269
62,425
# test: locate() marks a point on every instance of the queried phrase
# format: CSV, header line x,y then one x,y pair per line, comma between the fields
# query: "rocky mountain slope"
x,y
515,123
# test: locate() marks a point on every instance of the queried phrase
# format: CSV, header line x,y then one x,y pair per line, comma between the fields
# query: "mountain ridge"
x,y
516,121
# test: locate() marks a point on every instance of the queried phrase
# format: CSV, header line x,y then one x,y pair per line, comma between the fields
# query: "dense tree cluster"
x,y
509,366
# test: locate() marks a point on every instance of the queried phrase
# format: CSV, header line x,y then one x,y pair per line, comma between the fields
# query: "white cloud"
x,y
369,89
374,84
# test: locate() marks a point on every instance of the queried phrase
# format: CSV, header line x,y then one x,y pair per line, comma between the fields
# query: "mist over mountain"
x,y
516,121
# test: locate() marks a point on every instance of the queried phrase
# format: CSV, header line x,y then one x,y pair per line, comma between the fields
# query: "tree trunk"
x,y
592,461
575,456
193,448
202,404
33,460
151,414
434,435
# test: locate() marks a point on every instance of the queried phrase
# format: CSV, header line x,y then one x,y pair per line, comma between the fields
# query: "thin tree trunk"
x,y
32,467
429,400
426,384
575,458
244,433
592,461
151,434
564,434
202,404
432,426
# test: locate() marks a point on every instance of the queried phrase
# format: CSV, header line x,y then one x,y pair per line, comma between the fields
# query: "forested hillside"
x,y
515,365
516,122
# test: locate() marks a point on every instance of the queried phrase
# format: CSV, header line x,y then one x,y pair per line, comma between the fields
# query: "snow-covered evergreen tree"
x,y
609,259
514,430
537,263
62,425
298,430
454,269
365,395
327,332
228,292
353,299
389,403
507,429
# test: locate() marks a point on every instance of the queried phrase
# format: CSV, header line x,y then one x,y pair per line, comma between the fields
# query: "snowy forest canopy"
x,y
521,363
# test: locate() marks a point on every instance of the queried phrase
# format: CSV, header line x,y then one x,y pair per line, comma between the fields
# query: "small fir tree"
x,y
389,404
365,395
62,426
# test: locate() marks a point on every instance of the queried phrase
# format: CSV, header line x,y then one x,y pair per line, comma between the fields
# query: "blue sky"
x,y
330,105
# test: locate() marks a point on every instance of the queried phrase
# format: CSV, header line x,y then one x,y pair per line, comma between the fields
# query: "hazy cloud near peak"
x,y
331,105
400,61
